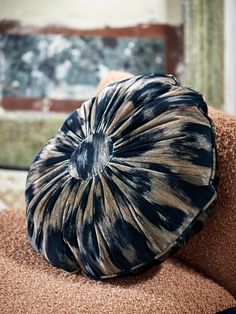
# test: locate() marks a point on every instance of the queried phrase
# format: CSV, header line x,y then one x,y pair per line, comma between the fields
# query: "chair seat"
x,y
30,285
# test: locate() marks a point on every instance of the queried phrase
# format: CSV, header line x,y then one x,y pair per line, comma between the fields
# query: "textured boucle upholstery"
x,y
213,250
30,285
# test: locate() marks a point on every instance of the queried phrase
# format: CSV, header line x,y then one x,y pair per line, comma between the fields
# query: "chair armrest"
x,y
213,250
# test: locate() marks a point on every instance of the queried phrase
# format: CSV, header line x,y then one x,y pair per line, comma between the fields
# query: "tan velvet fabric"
x,y
30,285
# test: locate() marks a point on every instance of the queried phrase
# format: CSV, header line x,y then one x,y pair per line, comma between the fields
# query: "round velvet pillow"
x,y
126,181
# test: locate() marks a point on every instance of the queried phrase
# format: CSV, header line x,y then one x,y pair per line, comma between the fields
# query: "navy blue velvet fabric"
x,y
129,177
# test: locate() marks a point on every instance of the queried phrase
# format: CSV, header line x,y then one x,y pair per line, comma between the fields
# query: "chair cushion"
x,y
125,182
30,285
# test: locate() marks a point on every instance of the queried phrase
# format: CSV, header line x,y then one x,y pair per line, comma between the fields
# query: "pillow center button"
x,y
91,156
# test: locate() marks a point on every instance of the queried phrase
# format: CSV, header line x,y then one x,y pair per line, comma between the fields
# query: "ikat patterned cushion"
x,y
129,177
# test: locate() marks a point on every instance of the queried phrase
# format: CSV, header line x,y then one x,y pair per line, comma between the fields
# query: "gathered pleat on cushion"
x,y
130,176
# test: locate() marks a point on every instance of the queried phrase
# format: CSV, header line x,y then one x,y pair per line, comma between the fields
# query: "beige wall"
x,y
91,13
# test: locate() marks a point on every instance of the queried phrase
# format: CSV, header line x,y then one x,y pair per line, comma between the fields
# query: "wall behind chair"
x,y
60,50
91,13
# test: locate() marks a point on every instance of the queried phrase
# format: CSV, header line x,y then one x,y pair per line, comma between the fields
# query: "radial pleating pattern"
x,y
128,178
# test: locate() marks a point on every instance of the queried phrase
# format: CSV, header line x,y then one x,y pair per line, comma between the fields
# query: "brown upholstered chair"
x,y
200,278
